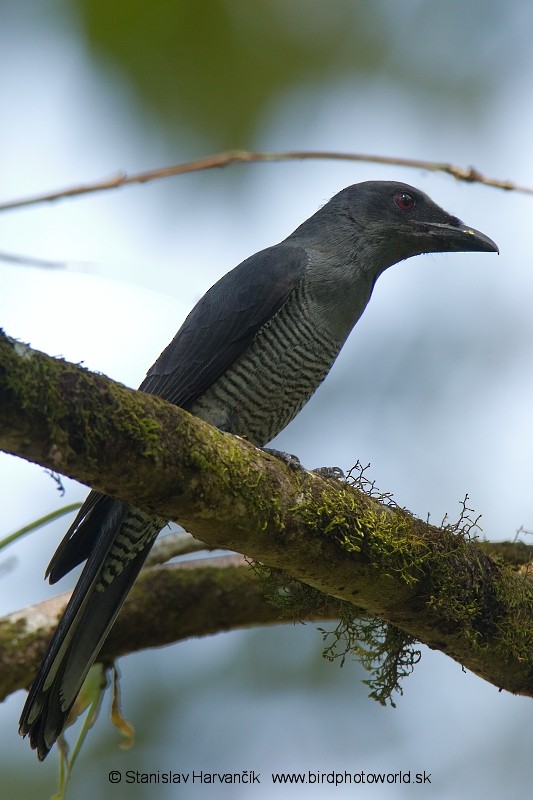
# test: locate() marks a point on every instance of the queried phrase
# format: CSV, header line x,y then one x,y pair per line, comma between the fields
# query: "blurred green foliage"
x,y
215,68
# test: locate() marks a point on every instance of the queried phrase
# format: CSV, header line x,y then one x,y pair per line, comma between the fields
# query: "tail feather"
x,y
91,523
87,619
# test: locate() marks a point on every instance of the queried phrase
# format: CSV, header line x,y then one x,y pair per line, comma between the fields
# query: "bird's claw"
x,y
330,472
291,461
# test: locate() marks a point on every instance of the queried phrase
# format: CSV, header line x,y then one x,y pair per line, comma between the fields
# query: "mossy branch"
x,y
167,604
437,585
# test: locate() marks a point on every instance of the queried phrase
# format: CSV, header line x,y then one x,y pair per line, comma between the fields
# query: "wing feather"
x,y
224,322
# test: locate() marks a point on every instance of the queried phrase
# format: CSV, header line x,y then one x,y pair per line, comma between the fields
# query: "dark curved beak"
x,y
458,237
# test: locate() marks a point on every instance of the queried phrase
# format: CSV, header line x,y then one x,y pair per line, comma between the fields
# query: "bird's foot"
x,y
294,463
291,461
330,472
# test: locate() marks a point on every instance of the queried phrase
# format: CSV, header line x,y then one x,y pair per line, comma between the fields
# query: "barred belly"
x,y
268,385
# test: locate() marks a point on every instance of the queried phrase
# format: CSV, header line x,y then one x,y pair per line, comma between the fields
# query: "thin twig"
x,y
468,174
42,263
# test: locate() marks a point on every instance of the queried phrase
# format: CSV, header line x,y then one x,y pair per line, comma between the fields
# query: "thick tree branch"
x,y
435,584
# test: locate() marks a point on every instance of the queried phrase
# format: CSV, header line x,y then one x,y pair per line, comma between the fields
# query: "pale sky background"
x,y
433,389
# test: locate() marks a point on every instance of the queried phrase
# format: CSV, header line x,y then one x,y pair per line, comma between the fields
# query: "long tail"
x,y
116,539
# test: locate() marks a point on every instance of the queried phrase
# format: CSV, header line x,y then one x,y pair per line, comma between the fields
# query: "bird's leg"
x,y
294,463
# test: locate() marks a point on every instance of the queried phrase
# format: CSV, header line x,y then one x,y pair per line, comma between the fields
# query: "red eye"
x,y
404,201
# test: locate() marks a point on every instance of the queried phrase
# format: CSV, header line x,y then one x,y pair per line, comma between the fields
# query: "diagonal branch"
x,y
435,584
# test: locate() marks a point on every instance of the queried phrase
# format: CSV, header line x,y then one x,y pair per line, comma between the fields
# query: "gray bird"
x,y
247,358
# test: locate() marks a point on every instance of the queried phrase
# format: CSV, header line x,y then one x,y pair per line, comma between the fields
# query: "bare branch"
x,y
172,545
217,160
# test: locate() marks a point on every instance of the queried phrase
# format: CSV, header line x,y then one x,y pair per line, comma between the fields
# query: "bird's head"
x,y
366,228
393,221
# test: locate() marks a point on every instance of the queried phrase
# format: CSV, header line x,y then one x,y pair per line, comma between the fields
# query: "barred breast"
x,y
268,385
